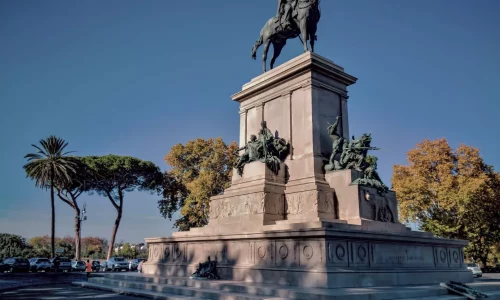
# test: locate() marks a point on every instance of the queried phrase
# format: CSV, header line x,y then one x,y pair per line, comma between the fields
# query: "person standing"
x,y
139,268
88,267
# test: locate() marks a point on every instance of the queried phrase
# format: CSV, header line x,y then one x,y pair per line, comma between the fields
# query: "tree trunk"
x,y
53,221
78,252
484,260
115,229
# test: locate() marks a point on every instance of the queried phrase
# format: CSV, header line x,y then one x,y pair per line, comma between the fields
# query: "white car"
x,y
476,270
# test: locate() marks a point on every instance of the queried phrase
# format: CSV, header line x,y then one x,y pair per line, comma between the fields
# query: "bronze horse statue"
x,y
302,22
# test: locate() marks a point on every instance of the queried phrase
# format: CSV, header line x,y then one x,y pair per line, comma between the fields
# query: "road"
x,y
61,291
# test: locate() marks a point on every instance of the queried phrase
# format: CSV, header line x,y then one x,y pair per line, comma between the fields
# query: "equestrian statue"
x,y
295,18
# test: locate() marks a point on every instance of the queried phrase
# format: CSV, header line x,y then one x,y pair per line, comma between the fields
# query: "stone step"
x,y
168,287
196,293
220,289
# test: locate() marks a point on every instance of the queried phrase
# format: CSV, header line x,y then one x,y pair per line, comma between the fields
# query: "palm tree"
x,y
49,165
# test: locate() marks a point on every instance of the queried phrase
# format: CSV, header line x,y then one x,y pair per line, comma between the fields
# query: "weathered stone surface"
x,y
357,202
315,257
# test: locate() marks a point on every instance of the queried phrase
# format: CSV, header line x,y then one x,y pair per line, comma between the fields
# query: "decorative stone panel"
x,y
263,253
359,254
337,253
441,257
287,253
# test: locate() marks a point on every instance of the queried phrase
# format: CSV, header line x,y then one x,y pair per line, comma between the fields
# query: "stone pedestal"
x,y
303,227
298,100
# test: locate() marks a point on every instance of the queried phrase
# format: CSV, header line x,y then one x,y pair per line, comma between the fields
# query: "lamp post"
x,y
83,217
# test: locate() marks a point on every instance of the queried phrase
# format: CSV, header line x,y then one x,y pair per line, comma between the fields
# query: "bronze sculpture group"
x,y
295,18
265,148
206,270
272,150
354,155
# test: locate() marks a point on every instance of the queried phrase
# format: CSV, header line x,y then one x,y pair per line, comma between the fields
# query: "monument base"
x,y
337,255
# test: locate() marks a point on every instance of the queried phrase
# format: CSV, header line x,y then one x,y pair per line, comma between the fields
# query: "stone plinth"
x,y
297,100
357,203
255,199
335,256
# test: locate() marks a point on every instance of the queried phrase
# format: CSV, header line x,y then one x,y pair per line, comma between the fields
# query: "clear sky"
x,y
136,77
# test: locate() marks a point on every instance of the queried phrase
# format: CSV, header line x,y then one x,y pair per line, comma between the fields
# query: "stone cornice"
x,y
307,62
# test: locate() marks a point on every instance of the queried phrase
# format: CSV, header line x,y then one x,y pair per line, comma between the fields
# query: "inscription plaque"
x,y
389,255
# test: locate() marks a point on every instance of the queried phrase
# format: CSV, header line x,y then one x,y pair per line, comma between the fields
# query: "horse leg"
x,y
312,35
278,46
303,32
264,54
256,46
312,40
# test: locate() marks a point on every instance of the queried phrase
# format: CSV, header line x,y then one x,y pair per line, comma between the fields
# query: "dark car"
x,y
60,264
16,264
96,266
39,264
3,267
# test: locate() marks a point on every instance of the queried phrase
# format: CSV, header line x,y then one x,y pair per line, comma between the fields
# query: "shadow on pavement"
x,y
60,291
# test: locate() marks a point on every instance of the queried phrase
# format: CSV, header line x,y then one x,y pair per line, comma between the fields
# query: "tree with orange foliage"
x,y
199,170
451,193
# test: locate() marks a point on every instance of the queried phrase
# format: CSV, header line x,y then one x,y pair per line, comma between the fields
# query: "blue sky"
x,y
136,77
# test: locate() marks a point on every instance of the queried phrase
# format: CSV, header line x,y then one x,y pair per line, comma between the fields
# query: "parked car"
x,y
116,264
78,266
39,264
64,264
476,270
3,267
96,266
15,264
133,264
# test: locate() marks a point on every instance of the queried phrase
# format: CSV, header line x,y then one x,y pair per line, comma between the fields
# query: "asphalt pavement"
x,y
58,286
61,291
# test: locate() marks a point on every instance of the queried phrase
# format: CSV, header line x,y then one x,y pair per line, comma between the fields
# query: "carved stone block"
x,y
312,253
357,202
287,253
441,257
337,253
263,253
455,257
359,254
310,205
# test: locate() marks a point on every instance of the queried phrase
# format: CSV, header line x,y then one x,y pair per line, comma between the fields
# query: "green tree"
x,y
453,194
50,164
125,251
69,192
41,245
115,175
12,245
94,247
198,170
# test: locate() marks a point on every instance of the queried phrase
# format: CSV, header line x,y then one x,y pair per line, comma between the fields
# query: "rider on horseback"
x,y
286,8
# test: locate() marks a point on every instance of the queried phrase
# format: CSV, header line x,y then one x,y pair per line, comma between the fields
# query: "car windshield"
x,y
64,259
21,260
80,263
119,259
473,265
43,260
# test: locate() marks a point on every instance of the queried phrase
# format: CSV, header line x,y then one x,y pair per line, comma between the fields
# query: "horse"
x,y
305,20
